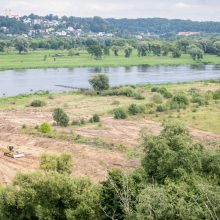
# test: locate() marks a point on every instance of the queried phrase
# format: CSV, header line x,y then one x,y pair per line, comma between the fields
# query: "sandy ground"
x,y
89,161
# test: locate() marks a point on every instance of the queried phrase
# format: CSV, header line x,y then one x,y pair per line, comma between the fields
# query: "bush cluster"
x,y
179,101
60,117
135,109
119,113
94,119
37,103
45,128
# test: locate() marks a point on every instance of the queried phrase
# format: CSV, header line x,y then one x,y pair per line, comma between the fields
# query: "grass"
x,y
76,138
79,105
35,59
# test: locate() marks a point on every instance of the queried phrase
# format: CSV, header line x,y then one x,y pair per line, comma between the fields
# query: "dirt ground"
x,y
89,160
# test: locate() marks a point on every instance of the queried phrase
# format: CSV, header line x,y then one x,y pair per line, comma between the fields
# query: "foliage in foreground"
x,y
177,179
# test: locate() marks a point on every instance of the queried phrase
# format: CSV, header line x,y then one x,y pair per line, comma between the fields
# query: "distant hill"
x,y
97,24
163,25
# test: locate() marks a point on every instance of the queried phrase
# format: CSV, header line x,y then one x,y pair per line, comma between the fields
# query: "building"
x,y
188,33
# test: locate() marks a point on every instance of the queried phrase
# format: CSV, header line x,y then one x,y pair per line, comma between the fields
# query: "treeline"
x,y
177,179
14,26
97,24
163,26
102,47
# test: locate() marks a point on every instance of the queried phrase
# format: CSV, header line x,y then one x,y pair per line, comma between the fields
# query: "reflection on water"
x,y
13,82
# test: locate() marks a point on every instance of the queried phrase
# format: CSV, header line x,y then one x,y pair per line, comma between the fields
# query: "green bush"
x,y
37,103
75,123
216,94
60,117
139,96
99,82
134,109
199,100
161,108
209,95
163,91
119,113
45,128
157,98
154,89
179,101
123,91
94,119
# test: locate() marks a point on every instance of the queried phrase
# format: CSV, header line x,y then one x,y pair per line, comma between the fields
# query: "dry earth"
x,y
89,160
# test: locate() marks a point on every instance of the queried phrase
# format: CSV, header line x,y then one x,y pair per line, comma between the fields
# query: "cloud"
x,y
184,9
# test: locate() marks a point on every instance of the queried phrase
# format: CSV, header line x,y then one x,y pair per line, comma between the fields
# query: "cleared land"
x,y
99,146
58,59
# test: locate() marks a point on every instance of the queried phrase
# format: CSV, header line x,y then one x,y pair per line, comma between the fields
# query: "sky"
x,y
183,9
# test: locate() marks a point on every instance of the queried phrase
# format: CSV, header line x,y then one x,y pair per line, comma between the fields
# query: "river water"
x,y
14,82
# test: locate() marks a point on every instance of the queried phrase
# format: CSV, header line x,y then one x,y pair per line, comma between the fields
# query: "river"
x,y
14,82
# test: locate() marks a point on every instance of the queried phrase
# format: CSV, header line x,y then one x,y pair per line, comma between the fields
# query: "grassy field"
x,y
35,59
205,117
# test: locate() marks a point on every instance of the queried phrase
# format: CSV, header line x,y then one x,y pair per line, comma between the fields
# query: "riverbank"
x,y
60,59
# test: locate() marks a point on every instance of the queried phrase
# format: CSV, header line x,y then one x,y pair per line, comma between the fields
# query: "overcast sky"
x,y
184,9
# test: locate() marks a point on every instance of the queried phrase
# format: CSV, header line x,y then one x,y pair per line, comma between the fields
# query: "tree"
x,y
117,196
156,48
50,195
115,50
196,53
2,46
95,51
176,53
128,51
60,117
21,44
172,154
99,82
106,51
143,49
217,48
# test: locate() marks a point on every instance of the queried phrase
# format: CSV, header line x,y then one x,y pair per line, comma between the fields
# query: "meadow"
x,y
60,59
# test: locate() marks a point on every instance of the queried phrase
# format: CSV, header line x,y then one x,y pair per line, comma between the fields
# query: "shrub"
x,y
179,101
199,100
38,103
60,117
119,113
124,91
134,109
45,128
71,52
157,98
161,108
94,119
209,95
139,96
166,94
216,94
154,89
24,126
75,122
99,82
82,121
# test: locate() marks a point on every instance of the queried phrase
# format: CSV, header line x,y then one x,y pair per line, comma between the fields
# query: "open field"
x,y
97,147
35,59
